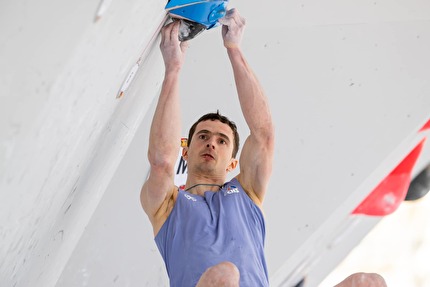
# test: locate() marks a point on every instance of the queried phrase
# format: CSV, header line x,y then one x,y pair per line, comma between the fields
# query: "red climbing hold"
x,y
388,195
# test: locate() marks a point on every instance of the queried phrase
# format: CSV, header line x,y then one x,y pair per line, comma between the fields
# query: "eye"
x,y
221,141
202,137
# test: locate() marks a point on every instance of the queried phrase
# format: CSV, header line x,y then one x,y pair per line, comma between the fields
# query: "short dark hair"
x,y
217,117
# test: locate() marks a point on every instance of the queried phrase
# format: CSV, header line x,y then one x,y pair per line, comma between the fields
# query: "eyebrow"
x,y
224,136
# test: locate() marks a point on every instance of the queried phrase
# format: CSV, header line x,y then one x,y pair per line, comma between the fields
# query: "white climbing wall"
x,y
348,83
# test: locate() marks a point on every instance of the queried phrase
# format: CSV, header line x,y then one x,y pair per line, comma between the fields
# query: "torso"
x,y
205,230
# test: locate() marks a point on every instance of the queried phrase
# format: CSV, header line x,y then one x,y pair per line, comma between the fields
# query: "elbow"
x,y
269,142
265,138
161,162
267,135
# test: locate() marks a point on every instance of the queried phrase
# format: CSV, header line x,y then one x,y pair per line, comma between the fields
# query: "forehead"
x,y
215,127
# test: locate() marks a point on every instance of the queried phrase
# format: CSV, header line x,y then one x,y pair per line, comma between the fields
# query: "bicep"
x,y
256,161
157,190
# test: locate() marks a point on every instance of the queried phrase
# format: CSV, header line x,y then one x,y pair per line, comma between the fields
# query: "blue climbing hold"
x,y
206,13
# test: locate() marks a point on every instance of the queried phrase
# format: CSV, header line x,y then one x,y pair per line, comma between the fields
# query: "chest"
x,y
227,214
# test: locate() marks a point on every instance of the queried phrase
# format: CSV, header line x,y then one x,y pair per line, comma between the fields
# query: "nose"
x,y
210,145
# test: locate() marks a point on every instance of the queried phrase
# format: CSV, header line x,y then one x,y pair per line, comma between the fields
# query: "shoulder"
x,y
164,211
248,190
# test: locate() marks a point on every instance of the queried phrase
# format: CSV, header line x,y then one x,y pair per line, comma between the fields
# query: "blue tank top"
x,y
202,231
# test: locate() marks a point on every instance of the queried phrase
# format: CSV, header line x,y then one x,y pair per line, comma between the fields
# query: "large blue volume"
x,y
205,13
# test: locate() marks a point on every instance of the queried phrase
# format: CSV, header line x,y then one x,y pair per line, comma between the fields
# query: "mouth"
x,y
207,156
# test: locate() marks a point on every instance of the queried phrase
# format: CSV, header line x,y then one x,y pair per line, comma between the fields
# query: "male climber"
x,y
211,233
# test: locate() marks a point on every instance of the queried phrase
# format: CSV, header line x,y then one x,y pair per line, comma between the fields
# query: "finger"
x,y
175,31
226,21
168,31
231,12
165,33
232,17
238,19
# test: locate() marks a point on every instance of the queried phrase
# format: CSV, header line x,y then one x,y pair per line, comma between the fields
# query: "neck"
x,y
204,184
198,183
200,187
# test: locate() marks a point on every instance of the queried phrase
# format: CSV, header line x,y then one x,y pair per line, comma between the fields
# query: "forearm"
x,y
165,129
253,101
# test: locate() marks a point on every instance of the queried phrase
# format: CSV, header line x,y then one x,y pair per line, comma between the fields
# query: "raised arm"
x,y
257,153
158,191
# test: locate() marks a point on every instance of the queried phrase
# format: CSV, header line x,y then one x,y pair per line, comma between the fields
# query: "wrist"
x,y
235,54
234,50
172,71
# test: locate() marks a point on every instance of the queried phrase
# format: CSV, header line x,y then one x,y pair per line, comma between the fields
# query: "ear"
x,y
232,165
185,153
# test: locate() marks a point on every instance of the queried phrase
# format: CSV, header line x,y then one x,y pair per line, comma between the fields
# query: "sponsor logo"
x,y
189,197
231,189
